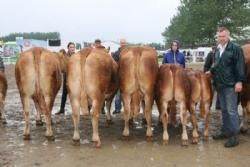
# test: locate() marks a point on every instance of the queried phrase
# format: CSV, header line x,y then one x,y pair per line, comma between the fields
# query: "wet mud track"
x,y
115,151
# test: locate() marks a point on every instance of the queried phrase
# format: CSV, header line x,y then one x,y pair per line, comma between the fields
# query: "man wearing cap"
x,y
98,44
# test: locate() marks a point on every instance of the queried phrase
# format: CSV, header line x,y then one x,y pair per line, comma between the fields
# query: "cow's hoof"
x,y
39,123
97,144
144,121
159,123
76,142
243,130
131,122
50,138
149,138
4,121
26,137
110,122
125,138
165,142
205,138
195,140
184,143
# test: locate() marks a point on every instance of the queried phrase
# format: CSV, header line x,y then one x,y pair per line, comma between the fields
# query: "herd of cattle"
x,y
93,78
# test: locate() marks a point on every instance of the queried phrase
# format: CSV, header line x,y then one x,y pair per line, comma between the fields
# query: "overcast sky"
x,y
85,20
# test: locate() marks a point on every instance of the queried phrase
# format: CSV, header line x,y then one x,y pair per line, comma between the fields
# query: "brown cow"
x,y
38,77
201,91
3,90
138,69
92,78
173,84
245,94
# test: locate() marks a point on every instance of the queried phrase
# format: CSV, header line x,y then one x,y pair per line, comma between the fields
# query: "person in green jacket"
x,y
228,74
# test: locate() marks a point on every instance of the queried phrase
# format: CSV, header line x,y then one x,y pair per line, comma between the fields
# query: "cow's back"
x,y
98,72
89,74
38,70
173,83
138,68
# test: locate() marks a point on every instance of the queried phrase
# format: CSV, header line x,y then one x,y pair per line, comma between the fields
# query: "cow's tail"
x,y
202,102
83,95
136,96
172,103
137,54
173,70
38,91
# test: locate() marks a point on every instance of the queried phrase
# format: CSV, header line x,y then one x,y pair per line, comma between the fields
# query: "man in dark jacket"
x,y
174,56
116,57
228,74
209,63
210,60
71,50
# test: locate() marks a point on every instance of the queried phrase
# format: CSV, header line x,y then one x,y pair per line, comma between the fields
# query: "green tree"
x,y
157,46
31,35
196,21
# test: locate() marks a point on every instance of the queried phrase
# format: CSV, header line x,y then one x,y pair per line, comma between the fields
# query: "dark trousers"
x,y
118,101
230,116
64,93
217,105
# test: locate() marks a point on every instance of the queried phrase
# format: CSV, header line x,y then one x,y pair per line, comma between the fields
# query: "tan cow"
x,y
38,77
245,94
201,92
173,84
138,69
3,90
92,78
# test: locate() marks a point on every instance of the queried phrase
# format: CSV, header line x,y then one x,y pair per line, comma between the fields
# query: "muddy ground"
x,y
14,151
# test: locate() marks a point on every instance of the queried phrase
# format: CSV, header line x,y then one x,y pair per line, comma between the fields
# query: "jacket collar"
x,y
177,51
229,45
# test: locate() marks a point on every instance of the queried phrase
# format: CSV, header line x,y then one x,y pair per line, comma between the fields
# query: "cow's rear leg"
x,y
2,114
26,113
108,107
148,116
38,114
97,106
164,120
75,104
183,115
126,102
49,132
206,119
195,135
47,107
246,116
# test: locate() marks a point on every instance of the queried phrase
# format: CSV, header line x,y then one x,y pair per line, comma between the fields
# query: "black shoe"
x,y
116,112
60,112
220,136
232,142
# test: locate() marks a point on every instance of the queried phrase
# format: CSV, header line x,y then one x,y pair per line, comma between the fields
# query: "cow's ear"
x,y
62,51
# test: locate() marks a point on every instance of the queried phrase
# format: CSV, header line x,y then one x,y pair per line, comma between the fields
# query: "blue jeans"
x,y
118,102
230,117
